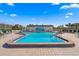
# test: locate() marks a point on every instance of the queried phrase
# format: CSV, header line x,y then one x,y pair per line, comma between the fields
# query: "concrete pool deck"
x,y
73,51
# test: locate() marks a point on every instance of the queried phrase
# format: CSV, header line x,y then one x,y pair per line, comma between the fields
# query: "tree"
x,y
61,27
17,27
68,25
73,26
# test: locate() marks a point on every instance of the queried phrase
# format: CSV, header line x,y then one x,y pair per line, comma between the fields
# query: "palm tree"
x,y
69,25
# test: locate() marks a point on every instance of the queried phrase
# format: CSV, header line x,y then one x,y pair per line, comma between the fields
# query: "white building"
x,y
34,27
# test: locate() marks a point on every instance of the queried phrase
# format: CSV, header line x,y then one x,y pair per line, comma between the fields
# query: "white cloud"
x,y
33,18
55,3
64,7
69,14
13,15
74,5
1,10
10,4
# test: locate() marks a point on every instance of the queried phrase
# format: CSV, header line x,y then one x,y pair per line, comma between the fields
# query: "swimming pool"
x,y
39,37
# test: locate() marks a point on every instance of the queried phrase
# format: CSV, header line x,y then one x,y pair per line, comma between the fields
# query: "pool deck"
x,y
73,51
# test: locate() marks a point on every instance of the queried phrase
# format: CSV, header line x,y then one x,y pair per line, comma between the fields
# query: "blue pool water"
x,y
39,37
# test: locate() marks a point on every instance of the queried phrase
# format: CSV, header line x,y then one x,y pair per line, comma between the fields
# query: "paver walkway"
x,y
40,51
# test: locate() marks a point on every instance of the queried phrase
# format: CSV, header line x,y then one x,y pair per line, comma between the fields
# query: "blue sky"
x,y
39,13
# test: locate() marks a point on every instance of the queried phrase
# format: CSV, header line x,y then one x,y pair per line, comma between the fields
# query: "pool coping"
x,y
68,43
